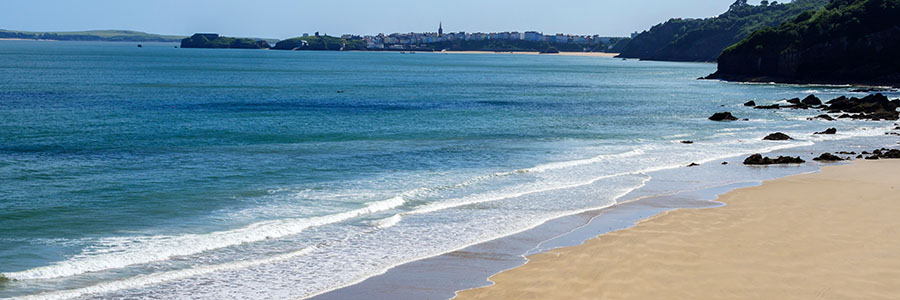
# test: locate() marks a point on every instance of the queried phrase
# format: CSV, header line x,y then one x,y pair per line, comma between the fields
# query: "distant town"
x,y
412,40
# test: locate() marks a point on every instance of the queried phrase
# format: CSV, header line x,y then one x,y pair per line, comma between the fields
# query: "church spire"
x,y
440,29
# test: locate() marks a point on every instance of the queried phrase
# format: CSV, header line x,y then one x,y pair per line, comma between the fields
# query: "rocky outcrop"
x,y
828,131
723,116
811,100
212,40
828,157
884,153
871,107
750,103
778,136
758,159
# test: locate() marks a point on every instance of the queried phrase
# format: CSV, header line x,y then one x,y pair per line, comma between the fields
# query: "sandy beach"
x,y
828,235
596,54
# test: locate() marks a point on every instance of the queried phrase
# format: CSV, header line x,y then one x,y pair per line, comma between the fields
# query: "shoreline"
x,y
694,245
591,54
648,201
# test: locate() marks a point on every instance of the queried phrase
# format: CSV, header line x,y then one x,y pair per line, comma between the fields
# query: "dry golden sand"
x,y
597,54
829,235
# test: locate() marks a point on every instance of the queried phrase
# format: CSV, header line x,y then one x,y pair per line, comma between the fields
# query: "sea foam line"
x,y
157,278
129,251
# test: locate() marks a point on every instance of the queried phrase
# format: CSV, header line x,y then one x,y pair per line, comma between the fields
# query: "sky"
x,y
289,18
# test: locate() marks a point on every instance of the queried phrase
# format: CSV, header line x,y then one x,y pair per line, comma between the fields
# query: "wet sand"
x,y
828,235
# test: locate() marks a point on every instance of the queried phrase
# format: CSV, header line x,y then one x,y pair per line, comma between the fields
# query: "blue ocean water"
x,y
157,171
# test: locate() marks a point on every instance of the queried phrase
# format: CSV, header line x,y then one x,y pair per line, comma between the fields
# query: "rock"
x,y
873,157
828,157
794,101
687,142
872,107
773,106
825,117
758,159
693,165
778,136
811,100
893,154
723,116
750,103
859,156
724,163
828,131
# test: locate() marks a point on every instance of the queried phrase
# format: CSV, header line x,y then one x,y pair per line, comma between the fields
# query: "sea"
x,y
160,172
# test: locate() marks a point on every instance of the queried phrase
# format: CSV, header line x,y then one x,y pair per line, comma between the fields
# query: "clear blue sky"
x,y
288,18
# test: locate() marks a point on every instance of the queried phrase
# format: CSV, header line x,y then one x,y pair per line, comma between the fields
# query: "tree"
x,y
738,4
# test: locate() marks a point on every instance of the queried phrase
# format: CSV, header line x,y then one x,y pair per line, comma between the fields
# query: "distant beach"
x,y
828,235
596,54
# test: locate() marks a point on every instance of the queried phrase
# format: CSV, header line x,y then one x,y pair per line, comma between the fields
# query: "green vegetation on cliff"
x,y
849,41
704,39
93,35
322,42
212,40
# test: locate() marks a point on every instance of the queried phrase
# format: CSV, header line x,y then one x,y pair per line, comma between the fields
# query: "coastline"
x,y
594,54
797,236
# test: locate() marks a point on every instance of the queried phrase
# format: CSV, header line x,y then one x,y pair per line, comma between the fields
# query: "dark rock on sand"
x,y
828,131
828,157
693,165
723,116
687,142
758,159
778,136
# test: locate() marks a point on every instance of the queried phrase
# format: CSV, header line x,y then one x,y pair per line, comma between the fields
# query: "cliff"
x,y
704,39
212,40
847,42
322,42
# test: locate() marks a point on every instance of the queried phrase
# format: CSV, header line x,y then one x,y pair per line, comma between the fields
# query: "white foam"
x,y
127,251
155,278
387,222
579,162
432,207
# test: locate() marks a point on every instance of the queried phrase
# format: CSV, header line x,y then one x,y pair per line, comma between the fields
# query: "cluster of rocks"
x,y
758,159
882,153
872,107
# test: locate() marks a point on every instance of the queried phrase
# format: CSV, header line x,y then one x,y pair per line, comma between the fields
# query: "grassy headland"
x,y
91,35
